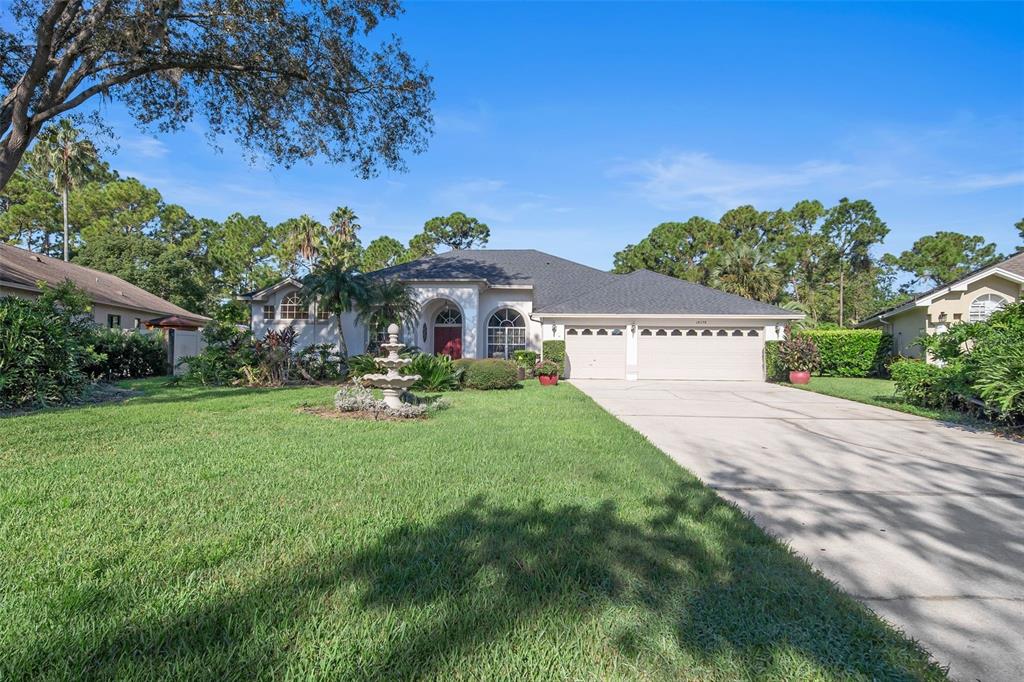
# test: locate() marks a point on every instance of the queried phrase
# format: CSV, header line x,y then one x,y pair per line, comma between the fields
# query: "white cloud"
x,y
697,178
142,146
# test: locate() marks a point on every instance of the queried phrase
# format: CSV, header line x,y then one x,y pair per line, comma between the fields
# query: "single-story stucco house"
x,y
487,303
972,298
116,304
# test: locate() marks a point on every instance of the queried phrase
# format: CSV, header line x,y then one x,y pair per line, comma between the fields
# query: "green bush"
x,y
554,350
228,349
126,355
921,383
799,354
43,349
525,358
437,372
850,352
1000,381
485,375
773,367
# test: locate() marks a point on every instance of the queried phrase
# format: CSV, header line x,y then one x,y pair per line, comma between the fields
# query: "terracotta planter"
x,y
548,379
799,377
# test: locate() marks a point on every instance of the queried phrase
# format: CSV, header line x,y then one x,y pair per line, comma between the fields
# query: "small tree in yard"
x,y
286,80
334,289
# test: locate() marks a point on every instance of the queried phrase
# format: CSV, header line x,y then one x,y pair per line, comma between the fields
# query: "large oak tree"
x,y
287,79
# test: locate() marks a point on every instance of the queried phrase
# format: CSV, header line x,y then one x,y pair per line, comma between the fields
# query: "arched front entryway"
x,y
448,332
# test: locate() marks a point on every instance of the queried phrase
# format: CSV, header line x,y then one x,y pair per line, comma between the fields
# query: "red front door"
x,y
448,341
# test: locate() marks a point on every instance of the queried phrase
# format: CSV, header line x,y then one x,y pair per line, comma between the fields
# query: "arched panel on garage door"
x,y
595,353
732,354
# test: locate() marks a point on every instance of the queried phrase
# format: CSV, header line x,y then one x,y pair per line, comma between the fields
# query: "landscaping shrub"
x,y
123,355
924,384
554,350
546,368
358,365
773,367
319,362
799,354
850,352
525,358
43,349
485,375
437,372
227,350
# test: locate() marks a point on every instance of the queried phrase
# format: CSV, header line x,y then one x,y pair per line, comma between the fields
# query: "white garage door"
x,y
595,353
704,354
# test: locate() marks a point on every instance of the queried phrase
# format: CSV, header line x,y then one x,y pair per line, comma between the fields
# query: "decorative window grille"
x,y
506,333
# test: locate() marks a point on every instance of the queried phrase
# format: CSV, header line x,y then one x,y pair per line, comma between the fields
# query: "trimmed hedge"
x,y
123,356
554,350
489,374
921,383
773,368
850,352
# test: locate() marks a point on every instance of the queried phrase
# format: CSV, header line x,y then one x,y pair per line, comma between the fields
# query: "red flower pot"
x,y
548,379
799,377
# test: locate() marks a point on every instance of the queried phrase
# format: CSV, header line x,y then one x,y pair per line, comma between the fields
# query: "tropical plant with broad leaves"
x,y
385,302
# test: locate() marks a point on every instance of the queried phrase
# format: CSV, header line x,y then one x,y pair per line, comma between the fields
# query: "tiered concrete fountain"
x,y
392,384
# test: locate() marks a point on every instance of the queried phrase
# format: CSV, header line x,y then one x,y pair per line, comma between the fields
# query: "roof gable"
x,y
1012,268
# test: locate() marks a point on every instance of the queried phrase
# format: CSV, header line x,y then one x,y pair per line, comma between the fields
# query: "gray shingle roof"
x,y
553,278
24,268
562,286
646,292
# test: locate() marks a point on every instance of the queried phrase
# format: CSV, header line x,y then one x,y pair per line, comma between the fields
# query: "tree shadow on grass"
x,y
431,600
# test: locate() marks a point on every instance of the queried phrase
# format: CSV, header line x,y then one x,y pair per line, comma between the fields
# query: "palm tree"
x,y
341,244
334,289
304,238
386,302
745,272
69,160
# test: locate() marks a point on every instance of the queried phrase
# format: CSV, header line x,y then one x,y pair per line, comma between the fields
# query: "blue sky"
x,y
576,128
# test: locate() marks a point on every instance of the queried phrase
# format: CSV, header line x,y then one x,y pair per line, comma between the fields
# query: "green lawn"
x,y
882,392
219,533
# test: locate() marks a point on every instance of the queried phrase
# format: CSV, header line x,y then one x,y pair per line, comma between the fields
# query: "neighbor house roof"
x,y
21,269
562,286
1012,268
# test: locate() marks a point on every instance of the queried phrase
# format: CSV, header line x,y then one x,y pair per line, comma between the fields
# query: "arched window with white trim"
x,y
983,306
506,333
292,308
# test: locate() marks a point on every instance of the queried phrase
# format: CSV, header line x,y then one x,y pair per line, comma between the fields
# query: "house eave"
x,y
667,316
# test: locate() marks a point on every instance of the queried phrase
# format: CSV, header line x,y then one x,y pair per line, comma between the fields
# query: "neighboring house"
x,y
489,303
972,298
116,304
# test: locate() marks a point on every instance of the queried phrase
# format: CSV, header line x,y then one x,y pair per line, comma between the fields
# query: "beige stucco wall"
x,y
17,293
951,308
957,304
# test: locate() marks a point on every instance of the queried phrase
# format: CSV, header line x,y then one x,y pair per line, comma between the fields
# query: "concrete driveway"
x,y
922,521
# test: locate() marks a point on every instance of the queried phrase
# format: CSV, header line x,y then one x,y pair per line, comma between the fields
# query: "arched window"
x,y
753,332
321,314
587,332
506,333
706,332
602,332
692,332
677,332
449,317
571,332
292,308
661,332
616,332
646,332
722,332
983,306
737,332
